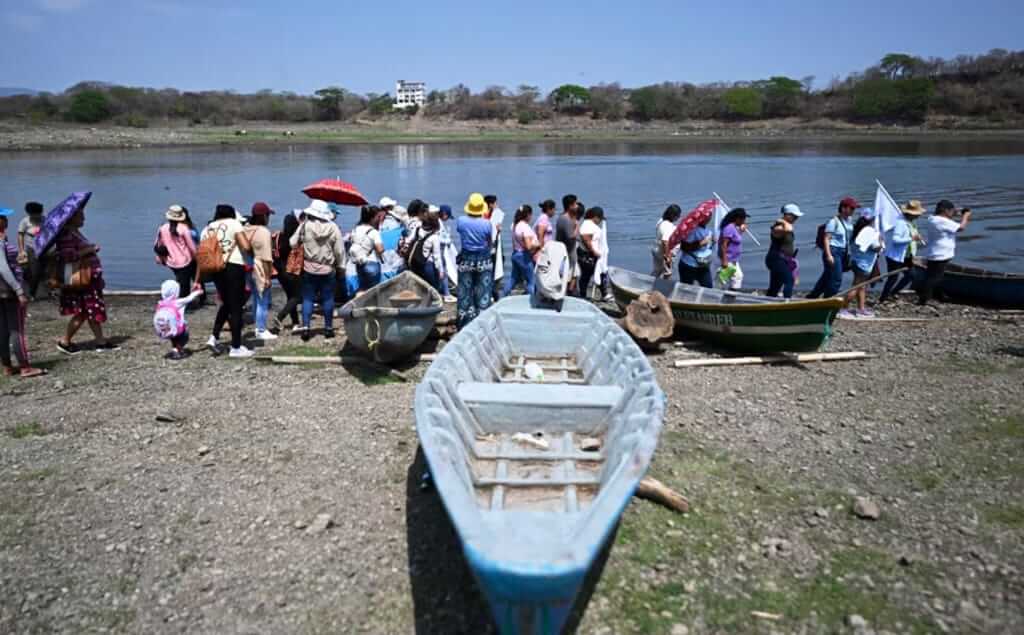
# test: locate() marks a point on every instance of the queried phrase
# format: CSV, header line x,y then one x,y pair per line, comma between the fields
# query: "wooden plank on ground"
x,y
785,358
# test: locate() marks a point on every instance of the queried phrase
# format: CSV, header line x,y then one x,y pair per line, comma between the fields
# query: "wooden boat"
x,y
392,319
974,285
535,474
741,322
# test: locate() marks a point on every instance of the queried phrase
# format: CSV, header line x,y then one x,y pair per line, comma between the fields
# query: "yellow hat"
x,y
475,206
913,208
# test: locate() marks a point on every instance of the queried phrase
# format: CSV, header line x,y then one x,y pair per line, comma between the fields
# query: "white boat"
x,y
535,473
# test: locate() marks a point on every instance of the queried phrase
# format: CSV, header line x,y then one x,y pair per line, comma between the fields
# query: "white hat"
x,y
319,209
387,202
793,209
433,208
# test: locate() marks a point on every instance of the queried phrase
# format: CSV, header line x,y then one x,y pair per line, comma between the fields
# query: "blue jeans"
x,y
780,275
322,284
369,275
695,275
831,275
522,271
260,307
476,281
432,276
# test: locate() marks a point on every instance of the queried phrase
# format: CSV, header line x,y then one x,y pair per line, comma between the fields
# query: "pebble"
x,y
203,450
320,524
163,417
821,512
866,508
59,385
680,629
970,612
856,622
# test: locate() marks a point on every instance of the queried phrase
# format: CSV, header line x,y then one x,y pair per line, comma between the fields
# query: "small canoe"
x,y
536,473
392,319
740,322
973,285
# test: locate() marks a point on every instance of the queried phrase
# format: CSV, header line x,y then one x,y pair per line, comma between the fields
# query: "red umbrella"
x,y
335,191
696,216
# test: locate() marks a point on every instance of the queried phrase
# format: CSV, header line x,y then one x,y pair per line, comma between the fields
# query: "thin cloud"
x,y
23,21
60,5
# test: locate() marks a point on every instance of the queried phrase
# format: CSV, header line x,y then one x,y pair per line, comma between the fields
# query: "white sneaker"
x,y
240,352
298,328
609,297
213,343
450,299
266,336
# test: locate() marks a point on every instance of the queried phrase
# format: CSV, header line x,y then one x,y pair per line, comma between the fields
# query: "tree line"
x,y
901,88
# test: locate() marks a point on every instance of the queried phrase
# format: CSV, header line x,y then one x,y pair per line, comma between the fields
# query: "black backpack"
x,y
417,260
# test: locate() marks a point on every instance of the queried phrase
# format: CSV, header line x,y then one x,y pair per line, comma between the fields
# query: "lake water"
x,y
633,182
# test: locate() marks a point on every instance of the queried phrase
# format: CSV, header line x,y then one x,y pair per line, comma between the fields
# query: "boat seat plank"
x,y
540,395
537,482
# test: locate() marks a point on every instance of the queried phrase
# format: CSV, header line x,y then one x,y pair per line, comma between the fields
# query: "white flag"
x,y
886,210
721,209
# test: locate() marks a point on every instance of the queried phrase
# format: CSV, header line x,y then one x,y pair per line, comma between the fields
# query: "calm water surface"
x,y
632,181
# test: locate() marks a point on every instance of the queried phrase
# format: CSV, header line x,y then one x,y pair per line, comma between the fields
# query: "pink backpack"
x,y
168,320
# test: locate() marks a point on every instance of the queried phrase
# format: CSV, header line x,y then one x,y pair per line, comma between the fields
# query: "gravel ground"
x,y
210,495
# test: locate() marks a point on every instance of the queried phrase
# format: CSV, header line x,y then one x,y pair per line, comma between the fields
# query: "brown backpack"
x,y
210,256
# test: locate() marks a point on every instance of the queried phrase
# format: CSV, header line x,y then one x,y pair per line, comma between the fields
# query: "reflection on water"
x,y
632,181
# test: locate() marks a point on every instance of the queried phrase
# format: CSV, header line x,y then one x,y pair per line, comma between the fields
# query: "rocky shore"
x,y
139,494
19,136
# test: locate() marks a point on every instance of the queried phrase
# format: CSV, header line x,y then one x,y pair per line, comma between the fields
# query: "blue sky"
x,y
302,45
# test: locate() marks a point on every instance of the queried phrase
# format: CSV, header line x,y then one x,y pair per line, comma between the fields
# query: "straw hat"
x,y
913,208
475,206
175,213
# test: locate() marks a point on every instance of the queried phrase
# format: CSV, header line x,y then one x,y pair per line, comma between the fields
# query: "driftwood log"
x,y
657,492
649,319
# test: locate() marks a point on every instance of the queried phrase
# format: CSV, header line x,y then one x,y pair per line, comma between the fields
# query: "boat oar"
x,y
872,281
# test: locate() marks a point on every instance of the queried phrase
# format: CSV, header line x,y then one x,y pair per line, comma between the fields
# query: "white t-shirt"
x,y
364,241
225,230
592,229
941,238
665,229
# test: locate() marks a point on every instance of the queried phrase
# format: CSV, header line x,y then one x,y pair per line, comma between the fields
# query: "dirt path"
x,y
143,495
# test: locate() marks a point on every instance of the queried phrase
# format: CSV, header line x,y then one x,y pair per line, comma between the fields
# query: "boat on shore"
x,y
973,285
391,320
537,426
740,322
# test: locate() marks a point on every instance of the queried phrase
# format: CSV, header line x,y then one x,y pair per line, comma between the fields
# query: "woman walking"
x,y
230,281
175,248
942,231
13,305
730,248
524,247
782,249
323,261
697,249
476,268
367,247
660,253
85,304
900,248
588,250
865,244
28,229
450,274
835,250
290,281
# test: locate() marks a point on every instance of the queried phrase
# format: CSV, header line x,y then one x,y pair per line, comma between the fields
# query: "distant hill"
x,y
8,91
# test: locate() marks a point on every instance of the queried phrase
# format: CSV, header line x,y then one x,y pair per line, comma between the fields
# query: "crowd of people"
x,y
554,254
852,240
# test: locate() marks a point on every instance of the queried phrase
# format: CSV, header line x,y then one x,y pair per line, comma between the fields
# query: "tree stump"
x,y
649,319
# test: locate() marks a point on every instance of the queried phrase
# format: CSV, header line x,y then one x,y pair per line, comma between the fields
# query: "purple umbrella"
x,y
58,216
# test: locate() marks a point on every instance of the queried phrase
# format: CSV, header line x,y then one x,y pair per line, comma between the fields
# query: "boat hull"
x,y
979,286
759,326
532,520
387,333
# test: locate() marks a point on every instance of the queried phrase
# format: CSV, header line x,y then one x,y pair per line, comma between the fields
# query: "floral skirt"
x,y
86,304
476,280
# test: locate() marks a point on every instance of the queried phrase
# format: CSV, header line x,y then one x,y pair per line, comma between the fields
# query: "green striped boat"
x,y
740,322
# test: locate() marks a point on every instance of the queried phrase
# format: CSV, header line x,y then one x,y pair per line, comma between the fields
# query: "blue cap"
x,y
446,209
5,211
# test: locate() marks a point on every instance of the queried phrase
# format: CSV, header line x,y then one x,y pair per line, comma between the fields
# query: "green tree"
x,y
781,96
379,104
89,106
570,97
900,65
329,103
742,102
886,99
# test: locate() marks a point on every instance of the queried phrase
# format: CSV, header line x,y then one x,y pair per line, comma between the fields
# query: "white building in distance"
x,y
410,93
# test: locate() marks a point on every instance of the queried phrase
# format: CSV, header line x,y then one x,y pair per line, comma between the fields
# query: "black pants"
x,y
587,267
292,286
185,276
933,276
35,273
230,285
895,284
12,327
694,275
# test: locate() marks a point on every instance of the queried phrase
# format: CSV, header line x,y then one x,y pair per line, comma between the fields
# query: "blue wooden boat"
x,y
392,319
535,474
973,285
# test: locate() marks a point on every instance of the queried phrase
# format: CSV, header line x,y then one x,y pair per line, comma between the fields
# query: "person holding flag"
x,y
730,247
901,242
